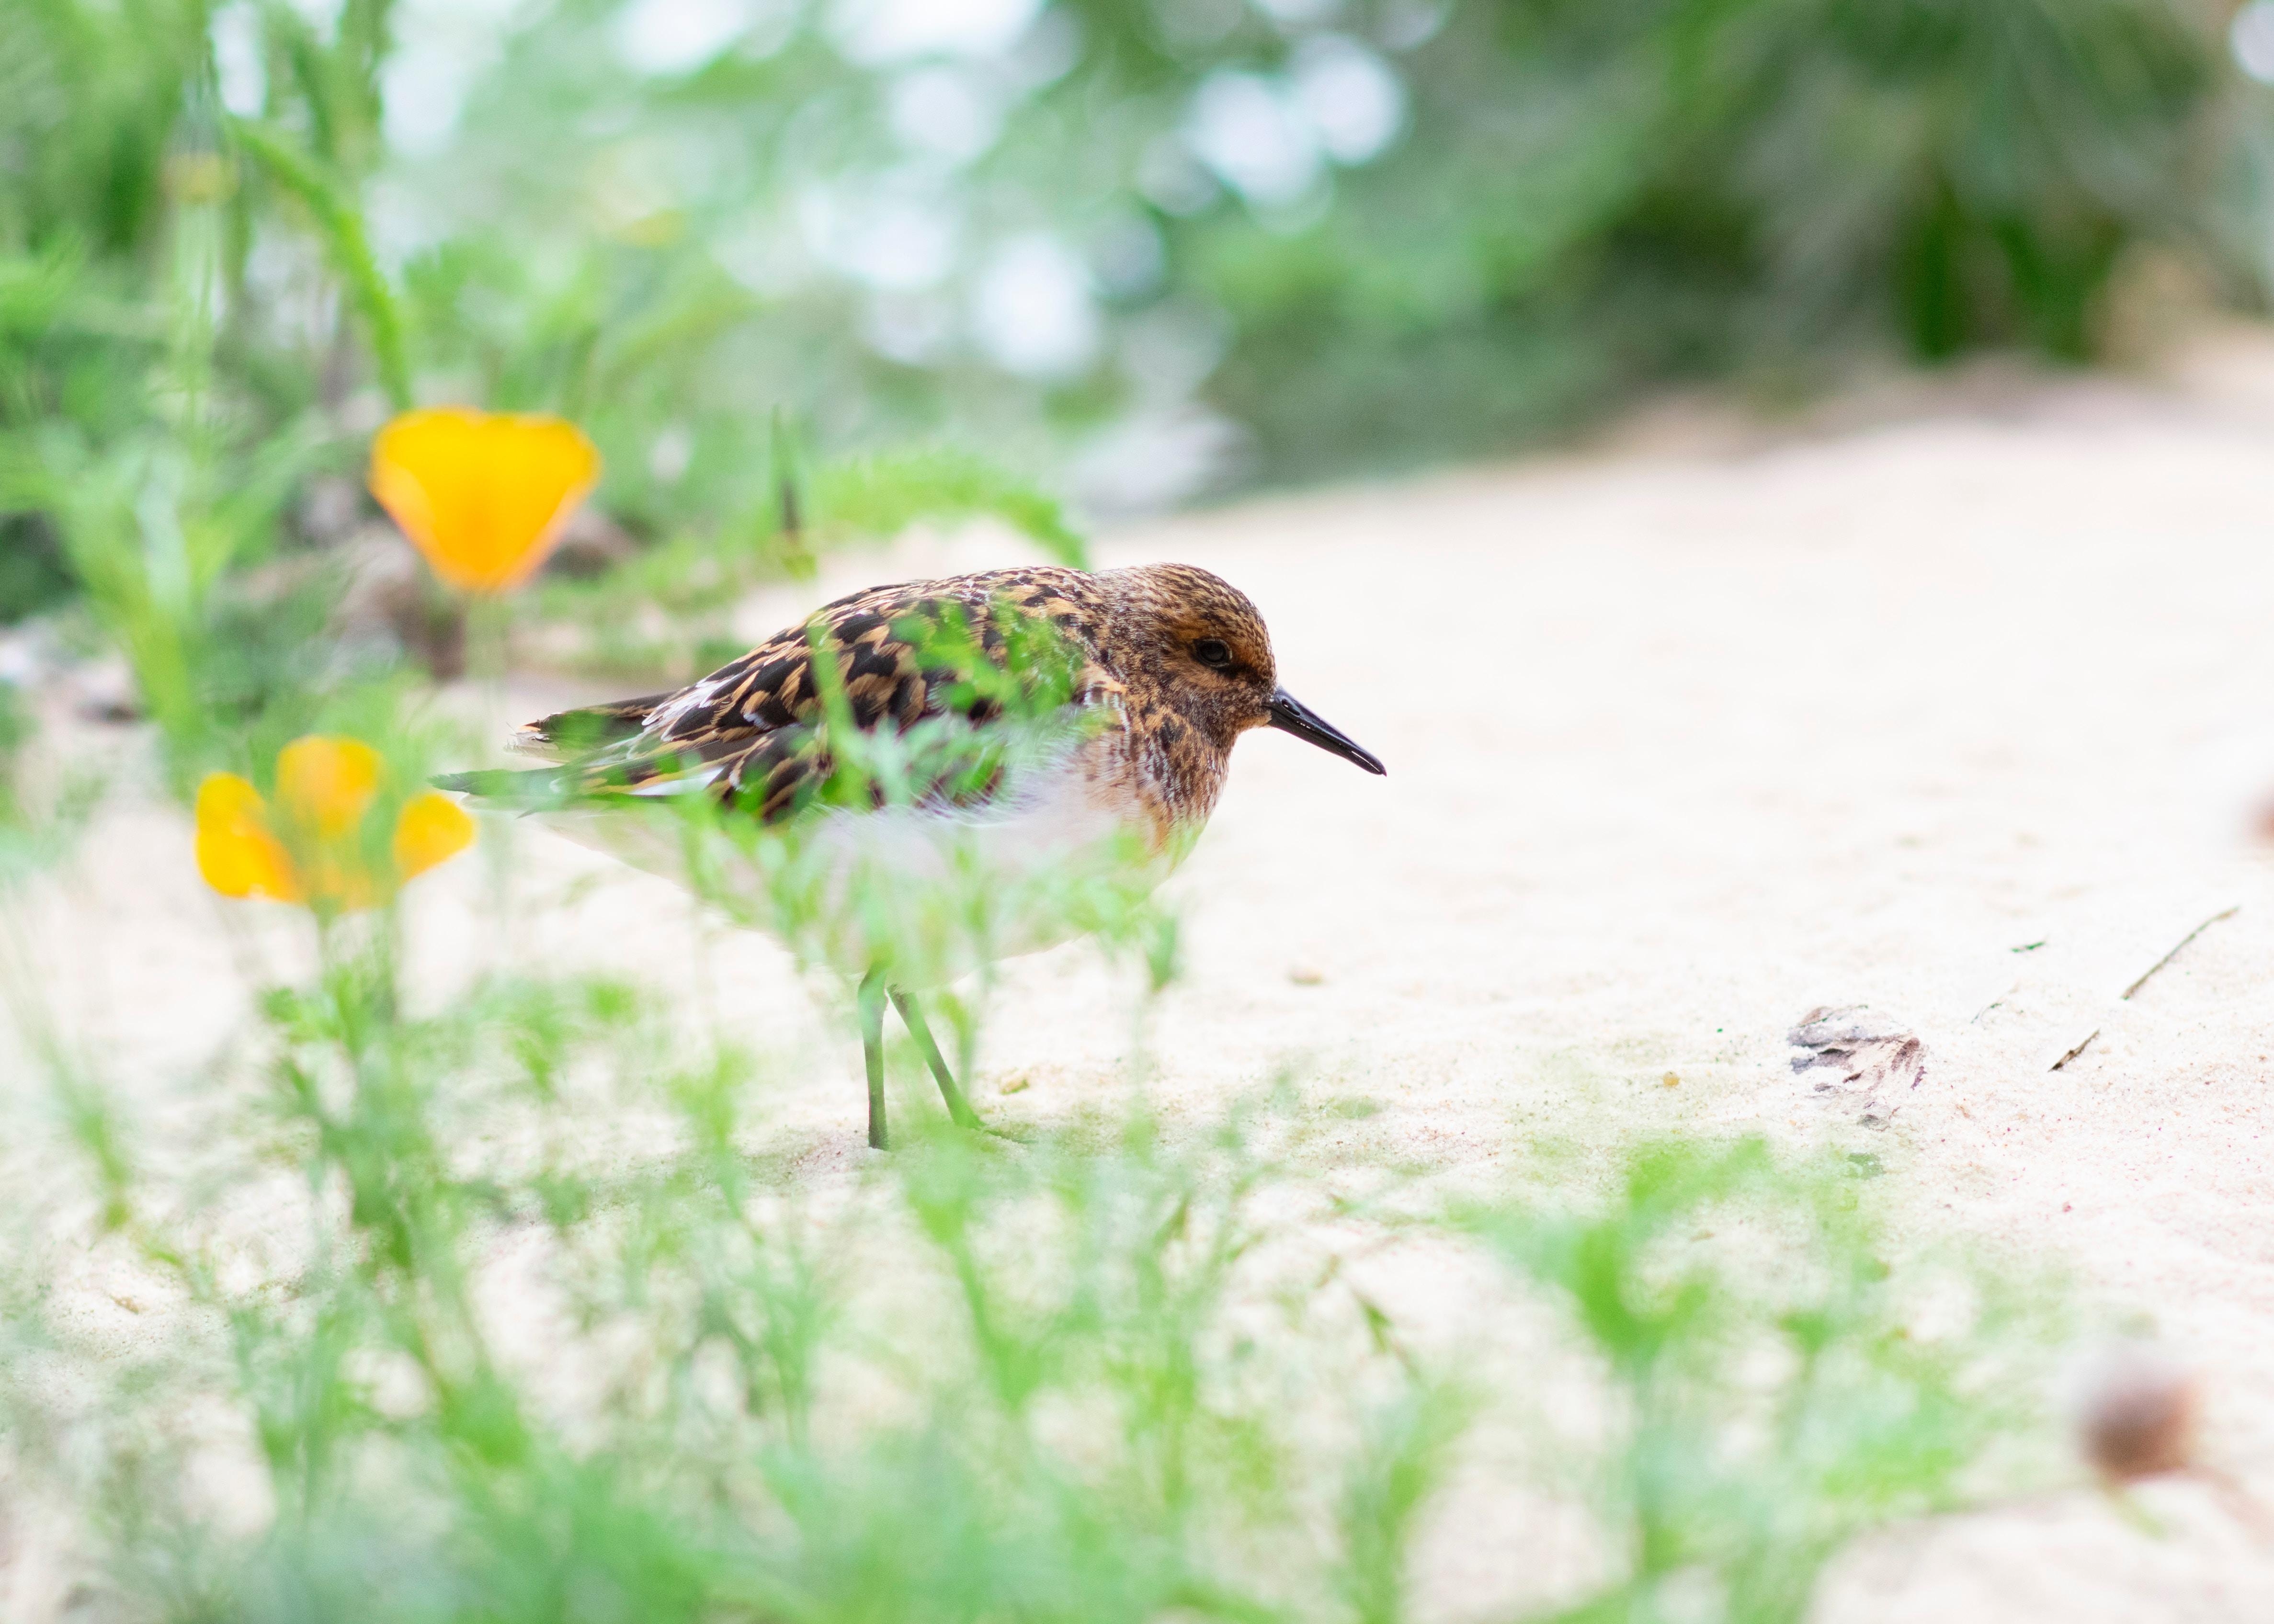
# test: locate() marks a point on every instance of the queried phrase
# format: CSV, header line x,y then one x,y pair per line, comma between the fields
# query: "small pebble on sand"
x,y
2139,1414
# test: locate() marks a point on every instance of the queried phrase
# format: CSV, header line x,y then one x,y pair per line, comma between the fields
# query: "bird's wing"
x,y
751,731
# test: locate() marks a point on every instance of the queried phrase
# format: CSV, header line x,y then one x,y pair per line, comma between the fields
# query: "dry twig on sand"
x,y
2140,980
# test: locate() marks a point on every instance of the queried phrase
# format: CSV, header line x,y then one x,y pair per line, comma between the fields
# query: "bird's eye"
x,y
1213,651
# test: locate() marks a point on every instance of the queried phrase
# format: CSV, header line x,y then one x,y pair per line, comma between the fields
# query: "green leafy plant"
x,y
506,1306
1776,1385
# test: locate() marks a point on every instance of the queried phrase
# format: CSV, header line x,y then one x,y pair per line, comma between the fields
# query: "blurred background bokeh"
x,y
1130,253
817,272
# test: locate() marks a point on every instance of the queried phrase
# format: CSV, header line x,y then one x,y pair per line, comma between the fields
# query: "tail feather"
x,y
577,783
566,734
507,789
589,752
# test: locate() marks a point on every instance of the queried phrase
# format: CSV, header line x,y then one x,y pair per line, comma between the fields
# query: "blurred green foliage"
x,y
537,1337
1555,204
1778,1391
1152,247
1598,196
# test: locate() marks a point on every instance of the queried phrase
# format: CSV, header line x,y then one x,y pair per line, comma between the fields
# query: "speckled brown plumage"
x,y
751,729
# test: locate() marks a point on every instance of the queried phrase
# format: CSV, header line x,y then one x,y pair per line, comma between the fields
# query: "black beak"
x,y
1290,714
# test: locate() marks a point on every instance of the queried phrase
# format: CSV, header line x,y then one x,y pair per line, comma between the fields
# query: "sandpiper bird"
x,y
1173,665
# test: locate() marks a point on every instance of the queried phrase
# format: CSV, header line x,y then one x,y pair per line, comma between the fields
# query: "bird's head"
x,y
1201,646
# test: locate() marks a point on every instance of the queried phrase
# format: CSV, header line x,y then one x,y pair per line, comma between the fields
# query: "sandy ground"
x,y
1957,707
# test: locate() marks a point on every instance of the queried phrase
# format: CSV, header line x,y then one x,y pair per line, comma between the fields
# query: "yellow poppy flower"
x,y
326,783
483,495
308,847
431,829
237,852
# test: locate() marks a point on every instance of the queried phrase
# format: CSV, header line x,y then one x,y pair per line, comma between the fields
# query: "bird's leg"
x,y
870,1000
957,1106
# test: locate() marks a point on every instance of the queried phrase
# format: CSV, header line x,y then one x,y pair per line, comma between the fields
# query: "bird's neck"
x,y
1165,762
1163,766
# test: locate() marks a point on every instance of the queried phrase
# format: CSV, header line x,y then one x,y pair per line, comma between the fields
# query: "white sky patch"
x,y
912,328
886,31
1354,99
676,36
400,220
322,15
1046,51
1246,129
944,110
1032,313
1172,179
443,46
424,94
238,63
894,237
2252,40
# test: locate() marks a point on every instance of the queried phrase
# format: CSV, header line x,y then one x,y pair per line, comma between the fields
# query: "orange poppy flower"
x,y
308,847
484,495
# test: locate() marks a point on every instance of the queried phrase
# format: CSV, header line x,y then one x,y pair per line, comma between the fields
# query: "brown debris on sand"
x,y
1862,1052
